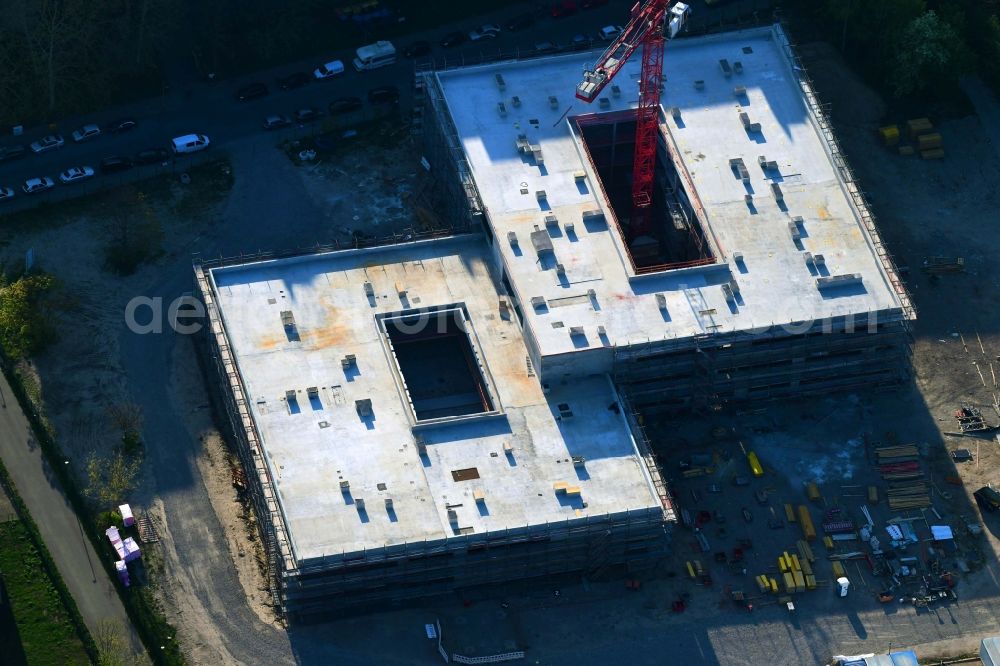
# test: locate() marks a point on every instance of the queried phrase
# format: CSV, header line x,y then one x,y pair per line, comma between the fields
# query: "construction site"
x,y
444,413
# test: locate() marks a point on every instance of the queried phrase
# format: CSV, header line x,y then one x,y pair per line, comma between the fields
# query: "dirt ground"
x,y
924,209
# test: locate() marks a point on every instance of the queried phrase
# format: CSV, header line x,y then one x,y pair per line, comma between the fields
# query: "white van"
x,y
190,143
375,55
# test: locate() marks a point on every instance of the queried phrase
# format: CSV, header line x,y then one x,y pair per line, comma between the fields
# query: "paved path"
x,y
87,581
987,108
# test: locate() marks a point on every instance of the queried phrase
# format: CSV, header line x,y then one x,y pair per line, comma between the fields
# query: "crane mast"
x,y
650,25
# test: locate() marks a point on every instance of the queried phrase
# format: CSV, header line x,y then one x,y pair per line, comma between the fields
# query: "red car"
x,y
564,8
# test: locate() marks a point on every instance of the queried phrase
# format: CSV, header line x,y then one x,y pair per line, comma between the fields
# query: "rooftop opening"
x,y
675,239
442,373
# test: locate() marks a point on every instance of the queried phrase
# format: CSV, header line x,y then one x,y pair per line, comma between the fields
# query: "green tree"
x,y
110,479
928,51
24,325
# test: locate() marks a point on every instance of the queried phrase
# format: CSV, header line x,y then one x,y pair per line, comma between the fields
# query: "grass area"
x,y
43,623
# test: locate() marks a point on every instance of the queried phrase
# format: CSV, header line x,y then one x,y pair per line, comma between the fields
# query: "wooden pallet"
x,y
147,531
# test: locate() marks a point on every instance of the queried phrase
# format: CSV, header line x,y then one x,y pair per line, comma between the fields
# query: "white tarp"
x,y
941,532
131,550
116,540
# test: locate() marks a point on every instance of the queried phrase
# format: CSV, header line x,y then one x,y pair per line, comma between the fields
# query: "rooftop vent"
x,y
540,195
604,103
747,125
576,330
793,228
727,71
564,410
388,504
776,191
500,82
364,407
537,302
287,319
553,102
348,361
541,241
737,66
616,91
452,516
739,91
551,220
345,485
515,101
601,330
727,291
502,108
479,496
360,503
661,301
592,215
569,227
369,290
560,269
512,238
312,392
766,164
578,461
819,260
838,280
699,85
675,113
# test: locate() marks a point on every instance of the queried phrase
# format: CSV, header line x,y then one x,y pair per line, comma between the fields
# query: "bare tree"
x,y
127,417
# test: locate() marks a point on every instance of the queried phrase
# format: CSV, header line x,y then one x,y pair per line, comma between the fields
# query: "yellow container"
x,y
935,154
755,466
789,582
805,521
889,135
774,586
795,563
928,141
919,126
807,568
690,569
800,581
838,569
783,564
812,491
805,551
790,513
810,582
828,541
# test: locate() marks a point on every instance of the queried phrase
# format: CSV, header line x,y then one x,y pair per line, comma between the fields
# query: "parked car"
x,y
6,193
275,122
307,115
33,185
563,9
47,143
152,156
343,105
189,143
579,40
987,498
12,153
417,49
384,95
453,39
121,125
520,22
252,91
74,174
115,164
485,31
293,80
329,70
610,32
86,132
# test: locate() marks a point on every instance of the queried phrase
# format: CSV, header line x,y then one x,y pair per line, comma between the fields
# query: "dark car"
x,y
252,91
12,153
987,498
121,125
152,156
453,39
563,9
275,122
343,105
307,115
417,49
384,95
115,164
293,80
520,22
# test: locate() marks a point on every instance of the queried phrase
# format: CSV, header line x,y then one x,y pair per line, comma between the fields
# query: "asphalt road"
x,y
211,108
79,565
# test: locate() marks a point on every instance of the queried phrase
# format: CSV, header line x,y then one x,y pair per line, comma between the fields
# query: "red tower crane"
x,y
650,25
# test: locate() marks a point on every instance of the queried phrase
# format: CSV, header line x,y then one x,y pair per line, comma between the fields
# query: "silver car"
x,y
86,132
46,143
74,174
33,185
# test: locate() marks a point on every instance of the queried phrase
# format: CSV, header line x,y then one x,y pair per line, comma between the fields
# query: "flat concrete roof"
x,y
775,283
313,446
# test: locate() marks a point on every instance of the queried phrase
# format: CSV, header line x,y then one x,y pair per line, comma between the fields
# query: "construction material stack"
x,y
900,468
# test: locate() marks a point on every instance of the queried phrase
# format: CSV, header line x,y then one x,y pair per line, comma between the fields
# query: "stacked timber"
x,y
899,466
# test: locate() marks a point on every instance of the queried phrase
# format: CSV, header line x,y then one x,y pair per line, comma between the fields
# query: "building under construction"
x,y
443,413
